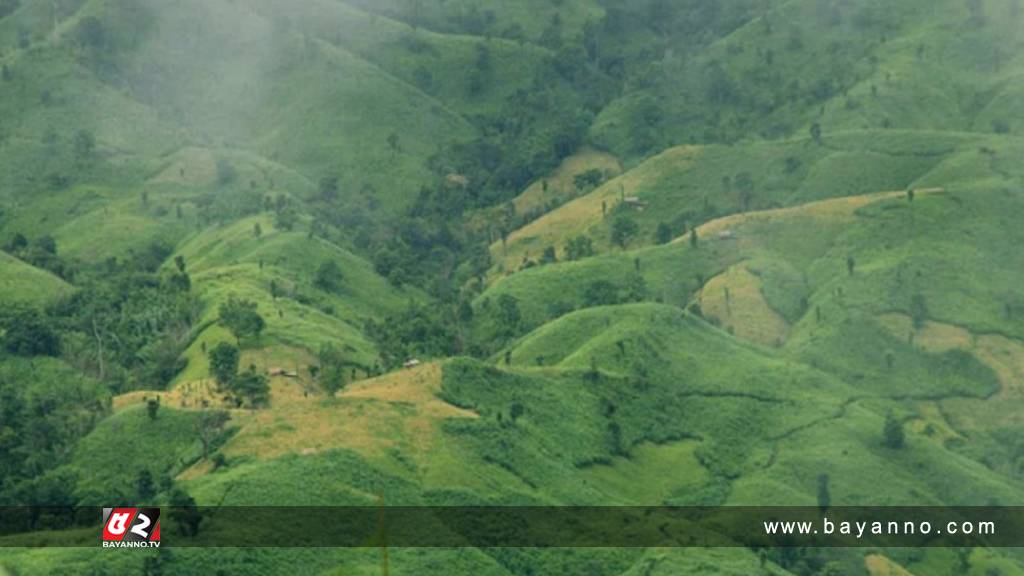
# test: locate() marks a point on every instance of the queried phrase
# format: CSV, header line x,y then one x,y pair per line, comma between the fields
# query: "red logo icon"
x,y
131,527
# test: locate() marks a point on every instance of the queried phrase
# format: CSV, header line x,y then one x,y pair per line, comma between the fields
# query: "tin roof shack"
x,y
635,203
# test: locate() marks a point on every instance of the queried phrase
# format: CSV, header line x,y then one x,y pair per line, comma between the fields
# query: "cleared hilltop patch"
x,y
734,301
398,411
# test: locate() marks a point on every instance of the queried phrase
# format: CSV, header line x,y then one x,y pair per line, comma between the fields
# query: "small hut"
x,y
634,202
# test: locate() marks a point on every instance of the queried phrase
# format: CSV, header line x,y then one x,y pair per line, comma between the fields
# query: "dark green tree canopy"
x,y
241,318
223,363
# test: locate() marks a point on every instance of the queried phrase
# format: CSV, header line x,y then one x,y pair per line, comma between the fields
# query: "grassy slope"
x,y
685,396
870,66
689,185
292,98
20,282
232,261
803,250
297,99
402,51
533,16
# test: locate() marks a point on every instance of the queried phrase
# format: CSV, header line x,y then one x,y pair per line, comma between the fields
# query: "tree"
x,y
286,217
623,228
329,188
816,132
587,180
508,313
636,288
85,144
257,230
551,37
549,256
90,33
600,293
152,407
28,332
219,461
144,486
223,363
516,411
332,368
745,186
328,276
824,498
579,247
184,513
663,235
209,427
226,173
241,318
18,243
251,386
918,310
892,433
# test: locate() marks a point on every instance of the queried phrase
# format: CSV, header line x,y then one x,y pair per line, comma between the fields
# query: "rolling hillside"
x,y
481,252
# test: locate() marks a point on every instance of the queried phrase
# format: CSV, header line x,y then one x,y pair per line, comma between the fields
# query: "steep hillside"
x,y
687,186
840,65
22,283
484,252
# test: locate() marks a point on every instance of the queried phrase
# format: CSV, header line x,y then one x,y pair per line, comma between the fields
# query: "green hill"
x,y
483,252
686,186
841,65
20,282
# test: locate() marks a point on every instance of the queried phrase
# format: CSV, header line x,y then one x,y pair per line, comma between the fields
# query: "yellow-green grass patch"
x,y
24,283
585,214
879,565
837,210
734,300
666,470
561,183
369,417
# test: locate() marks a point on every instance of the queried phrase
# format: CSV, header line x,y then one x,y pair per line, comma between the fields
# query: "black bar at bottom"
x,y
405,526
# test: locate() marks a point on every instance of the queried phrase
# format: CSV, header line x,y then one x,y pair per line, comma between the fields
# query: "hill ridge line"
x,y
854,202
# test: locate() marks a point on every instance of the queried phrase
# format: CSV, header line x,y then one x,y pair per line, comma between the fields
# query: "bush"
x,y
328,276
27,332
892,433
